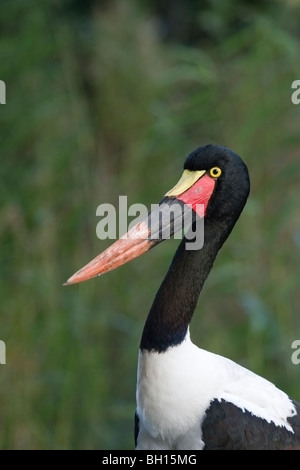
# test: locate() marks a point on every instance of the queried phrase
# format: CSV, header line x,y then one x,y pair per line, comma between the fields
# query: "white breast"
x,y
175,388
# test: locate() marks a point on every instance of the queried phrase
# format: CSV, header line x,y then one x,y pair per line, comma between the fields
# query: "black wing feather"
x,y
228,427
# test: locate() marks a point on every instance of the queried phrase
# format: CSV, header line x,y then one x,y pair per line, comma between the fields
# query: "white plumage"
x,y
175,388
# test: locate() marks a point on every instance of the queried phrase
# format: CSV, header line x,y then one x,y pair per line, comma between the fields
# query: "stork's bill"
x,y
188,199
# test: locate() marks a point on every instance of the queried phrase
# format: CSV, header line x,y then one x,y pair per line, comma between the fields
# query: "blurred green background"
x,y
106,98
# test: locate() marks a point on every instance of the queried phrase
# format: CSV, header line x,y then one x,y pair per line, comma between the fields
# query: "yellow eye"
x,y
215,172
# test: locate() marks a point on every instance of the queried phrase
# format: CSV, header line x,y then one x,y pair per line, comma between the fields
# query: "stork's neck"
x,y
173,307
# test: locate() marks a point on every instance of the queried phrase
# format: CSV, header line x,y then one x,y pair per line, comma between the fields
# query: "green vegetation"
x,y
100,103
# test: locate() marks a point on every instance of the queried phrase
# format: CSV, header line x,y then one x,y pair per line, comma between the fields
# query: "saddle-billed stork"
x,y
189,398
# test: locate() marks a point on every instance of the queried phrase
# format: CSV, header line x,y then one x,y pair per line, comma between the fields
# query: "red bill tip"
x,y
133,244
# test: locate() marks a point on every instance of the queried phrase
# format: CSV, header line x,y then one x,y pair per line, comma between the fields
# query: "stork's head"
x,y
214,184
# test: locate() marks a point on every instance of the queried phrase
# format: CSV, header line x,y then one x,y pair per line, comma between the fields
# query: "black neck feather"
x,y
176,299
